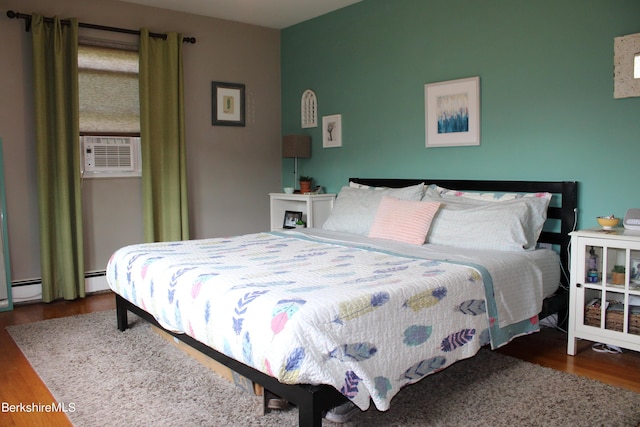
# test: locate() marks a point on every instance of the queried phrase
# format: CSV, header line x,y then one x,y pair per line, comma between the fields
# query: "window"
x,y
109,111
108,86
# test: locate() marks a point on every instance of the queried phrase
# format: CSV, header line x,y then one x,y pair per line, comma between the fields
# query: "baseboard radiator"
x,y
30,290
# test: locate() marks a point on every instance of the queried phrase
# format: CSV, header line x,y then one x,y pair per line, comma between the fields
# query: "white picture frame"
x,y
309,109
626,70
332,131
452,113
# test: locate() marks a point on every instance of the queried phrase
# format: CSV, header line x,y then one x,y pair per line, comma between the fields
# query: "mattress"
x,y
364,316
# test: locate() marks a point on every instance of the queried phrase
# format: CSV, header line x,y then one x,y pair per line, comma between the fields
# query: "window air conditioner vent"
x,y
107,157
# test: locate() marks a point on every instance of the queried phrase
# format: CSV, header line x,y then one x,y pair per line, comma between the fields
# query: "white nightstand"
x,y
617,321
315,208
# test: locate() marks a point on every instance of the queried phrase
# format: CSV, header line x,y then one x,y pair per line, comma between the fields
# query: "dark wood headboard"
x,y
565,194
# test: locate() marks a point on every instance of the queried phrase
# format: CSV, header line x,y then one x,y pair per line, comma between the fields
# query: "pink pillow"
x,y
403,220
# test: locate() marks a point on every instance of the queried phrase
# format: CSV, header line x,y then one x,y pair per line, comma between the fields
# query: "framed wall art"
x,y
626,59
452,113
309,109
228,104
332,131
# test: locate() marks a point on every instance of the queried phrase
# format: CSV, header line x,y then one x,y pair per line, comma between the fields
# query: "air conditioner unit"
x,y
111,156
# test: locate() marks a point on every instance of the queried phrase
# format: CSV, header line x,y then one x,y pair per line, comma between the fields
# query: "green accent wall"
x,y
546,90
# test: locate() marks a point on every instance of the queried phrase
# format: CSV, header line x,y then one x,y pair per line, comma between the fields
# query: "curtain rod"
x,y
17,15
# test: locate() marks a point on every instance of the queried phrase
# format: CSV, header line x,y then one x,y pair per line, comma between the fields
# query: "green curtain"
x,y
55,70
164,173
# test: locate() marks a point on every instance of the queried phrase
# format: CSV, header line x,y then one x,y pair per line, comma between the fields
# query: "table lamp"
x,y
296,146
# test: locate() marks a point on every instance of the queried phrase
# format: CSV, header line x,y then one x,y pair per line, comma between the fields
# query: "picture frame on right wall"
x,y
332,131
626,66
452,113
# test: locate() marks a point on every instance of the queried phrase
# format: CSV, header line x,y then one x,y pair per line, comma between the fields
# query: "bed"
x,y
361,308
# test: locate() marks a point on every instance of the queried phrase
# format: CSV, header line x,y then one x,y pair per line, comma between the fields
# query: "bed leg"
x,y
121,315
309,413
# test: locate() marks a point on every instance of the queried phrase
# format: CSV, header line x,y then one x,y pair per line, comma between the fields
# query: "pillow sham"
x,y
510,221
354,208
494,226
403,220
364,187
435,190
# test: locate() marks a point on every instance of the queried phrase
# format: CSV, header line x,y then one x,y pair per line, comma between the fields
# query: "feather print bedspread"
x,y
310,312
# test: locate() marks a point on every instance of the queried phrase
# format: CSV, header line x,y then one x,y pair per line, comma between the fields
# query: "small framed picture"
x,y
227,104
332,131
634,275
291,219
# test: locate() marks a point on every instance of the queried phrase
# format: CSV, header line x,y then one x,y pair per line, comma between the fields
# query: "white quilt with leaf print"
x,y
311,310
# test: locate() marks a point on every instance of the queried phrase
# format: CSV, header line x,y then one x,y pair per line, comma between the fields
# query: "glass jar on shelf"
x,y
592,267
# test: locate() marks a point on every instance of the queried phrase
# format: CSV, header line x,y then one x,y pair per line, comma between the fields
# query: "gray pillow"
x,y
355,208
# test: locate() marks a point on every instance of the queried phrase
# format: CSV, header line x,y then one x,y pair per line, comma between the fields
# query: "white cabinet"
x,y
604,300
315,208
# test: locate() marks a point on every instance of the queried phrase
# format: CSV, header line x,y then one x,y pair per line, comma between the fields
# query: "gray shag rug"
x,y
138,378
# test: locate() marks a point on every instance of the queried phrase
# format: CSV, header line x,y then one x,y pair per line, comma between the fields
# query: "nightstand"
x,y
315,208
604,299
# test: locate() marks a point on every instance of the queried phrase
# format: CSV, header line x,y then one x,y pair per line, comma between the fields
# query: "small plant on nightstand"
x,y
305,184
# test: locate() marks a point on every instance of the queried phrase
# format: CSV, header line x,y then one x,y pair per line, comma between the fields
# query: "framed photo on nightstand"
x,y
291,218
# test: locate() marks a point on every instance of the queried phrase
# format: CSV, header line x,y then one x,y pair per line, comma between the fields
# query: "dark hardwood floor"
x,y
20,384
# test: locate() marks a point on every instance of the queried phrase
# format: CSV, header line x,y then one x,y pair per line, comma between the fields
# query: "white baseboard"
x,y
96,284
26,293
33,293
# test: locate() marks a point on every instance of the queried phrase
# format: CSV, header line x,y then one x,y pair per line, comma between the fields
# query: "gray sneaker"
x,y
343,413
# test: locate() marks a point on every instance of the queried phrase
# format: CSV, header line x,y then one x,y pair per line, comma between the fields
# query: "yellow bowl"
x,y
607,222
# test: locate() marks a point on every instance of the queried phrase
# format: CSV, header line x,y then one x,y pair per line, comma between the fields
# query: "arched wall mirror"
x,y
6,302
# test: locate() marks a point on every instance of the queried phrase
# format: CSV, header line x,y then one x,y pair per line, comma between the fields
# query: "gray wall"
x,y
230,170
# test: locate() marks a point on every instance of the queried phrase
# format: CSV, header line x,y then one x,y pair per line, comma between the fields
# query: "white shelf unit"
x,y
617,320
315,208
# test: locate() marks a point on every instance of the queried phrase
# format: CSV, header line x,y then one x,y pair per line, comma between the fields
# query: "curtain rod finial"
x,y
17,15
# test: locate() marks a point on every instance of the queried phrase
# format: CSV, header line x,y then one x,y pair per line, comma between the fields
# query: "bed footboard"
x,y
312,401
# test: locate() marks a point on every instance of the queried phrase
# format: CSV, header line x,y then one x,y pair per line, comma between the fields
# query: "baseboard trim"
x,y
24,291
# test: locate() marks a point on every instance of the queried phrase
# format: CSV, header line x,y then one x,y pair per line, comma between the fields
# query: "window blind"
x,y
108,86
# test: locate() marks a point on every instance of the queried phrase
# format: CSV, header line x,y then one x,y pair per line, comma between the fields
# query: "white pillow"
x,y
405,221
495,226
510,221
354,208
435,190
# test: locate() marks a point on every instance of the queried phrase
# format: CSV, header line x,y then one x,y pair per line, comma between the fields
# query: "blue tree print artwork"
x,y
453,113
